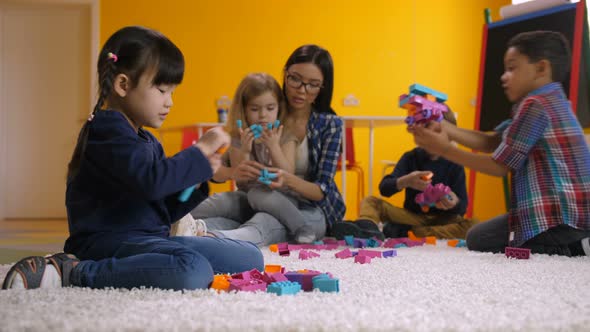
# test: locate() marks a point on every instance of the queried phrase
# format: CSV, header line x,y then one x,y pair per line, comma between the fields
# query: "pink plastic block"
x,y
247,285
330,241
243,275
304,254
343,254
273,277
283,249
518,253
362,259
295,247
370,253
331,246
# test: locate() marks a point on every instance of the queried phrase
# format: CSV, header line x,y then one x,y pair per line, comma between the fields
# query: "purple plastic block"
x,y
359,243
354,253
362,259
432,194
304,278
518,253
389,253
370,253
343,254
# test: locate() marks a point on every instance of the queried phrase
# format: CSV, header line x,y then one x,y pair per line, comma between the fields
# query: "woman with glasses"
x,y
308,85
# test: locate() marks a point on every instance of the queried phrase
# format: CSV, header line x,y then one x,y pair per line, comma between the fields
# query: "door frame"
x,y
94,8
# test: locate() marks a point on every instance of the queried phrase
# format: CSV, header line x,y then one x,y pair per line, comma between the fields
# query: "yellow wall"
x,y
379,49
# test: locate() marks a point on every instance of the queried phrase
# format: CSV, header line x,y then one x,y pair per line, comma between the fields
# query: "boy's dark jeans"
x,y
492,236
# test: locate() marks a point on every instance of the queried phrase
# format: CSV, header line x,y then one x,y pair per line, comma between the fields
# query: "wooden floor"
x,y
22,237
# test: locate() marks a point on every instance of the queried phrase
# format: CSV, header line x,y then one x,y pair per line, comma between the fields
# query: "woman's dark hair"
x,y
132,51
321,58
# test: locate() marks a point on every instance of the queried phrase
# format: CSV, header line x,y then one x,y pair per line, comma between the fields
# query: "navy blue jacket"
x,y
126,187
445,172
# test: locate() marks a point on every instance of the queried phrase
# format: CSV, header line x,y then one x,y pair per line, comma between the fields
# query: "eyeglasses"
x,y
295,82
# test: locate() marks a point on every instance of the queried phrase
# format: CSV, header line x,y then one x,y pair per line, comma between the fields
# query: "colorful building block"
x,y
284,288
389,253
362,259
518,253
325,283
431,195
346,253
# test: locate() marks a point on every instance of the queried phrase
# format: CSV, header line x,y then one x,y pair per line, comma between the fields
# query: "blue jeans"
x,y
169,263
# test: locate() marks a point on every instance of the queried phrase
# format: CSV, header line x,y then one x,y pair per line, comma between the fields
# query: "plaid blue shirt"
x,y
324,137
544,146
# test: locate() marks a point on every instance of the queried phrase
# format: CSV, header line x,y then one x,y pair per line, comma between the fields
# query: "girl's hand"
x,y
247,139
432,139
212,141
446,203
271,137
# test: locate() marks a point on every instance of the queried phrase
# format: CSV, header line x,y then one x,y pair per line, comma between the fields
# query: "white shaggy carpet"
x,y
422,289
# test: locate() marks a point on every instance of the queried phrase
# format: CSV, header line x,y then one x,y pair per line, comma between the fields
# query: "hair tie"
x,y
91,116
112,56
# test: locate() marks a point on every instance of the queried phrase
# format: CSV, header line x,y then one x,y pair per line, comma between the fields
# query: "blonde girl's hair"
x,y
252,86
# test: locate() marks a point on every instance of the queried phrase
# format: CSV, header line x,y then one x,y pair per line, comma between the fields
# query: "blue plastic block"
x,y
324,283
185,194
284,288
423,90
277,123
349,239
461,243
269,126
372,243
239,123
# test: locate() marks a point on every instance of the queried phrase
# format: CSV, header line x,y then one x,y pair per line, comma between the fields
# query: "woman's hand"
x,y
247,170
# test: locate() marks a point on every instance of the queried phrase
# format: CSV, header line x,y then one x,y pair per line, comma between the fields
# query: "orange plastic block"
x,y
426,177
452,243
221,282
431,240
272,268
273,248
430,97
413,237
222,149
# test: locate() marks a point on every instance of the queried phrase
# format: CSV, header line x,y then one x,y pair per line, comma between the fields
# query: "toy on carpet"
x,y
423,104
276,282
518,253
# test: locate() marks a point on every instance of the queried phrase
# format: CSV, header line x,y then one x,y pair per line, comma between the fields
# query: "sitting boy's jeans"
x,y
443,227
493,235
176,263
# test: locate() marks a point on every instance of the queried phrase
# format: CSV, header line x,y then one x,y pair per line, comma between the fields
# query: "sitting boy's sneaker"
x,y
188,226
362,228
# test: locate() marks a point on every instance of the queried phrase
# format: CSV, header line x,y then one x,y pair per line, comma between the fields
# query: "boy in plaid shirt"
x,y
542,146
